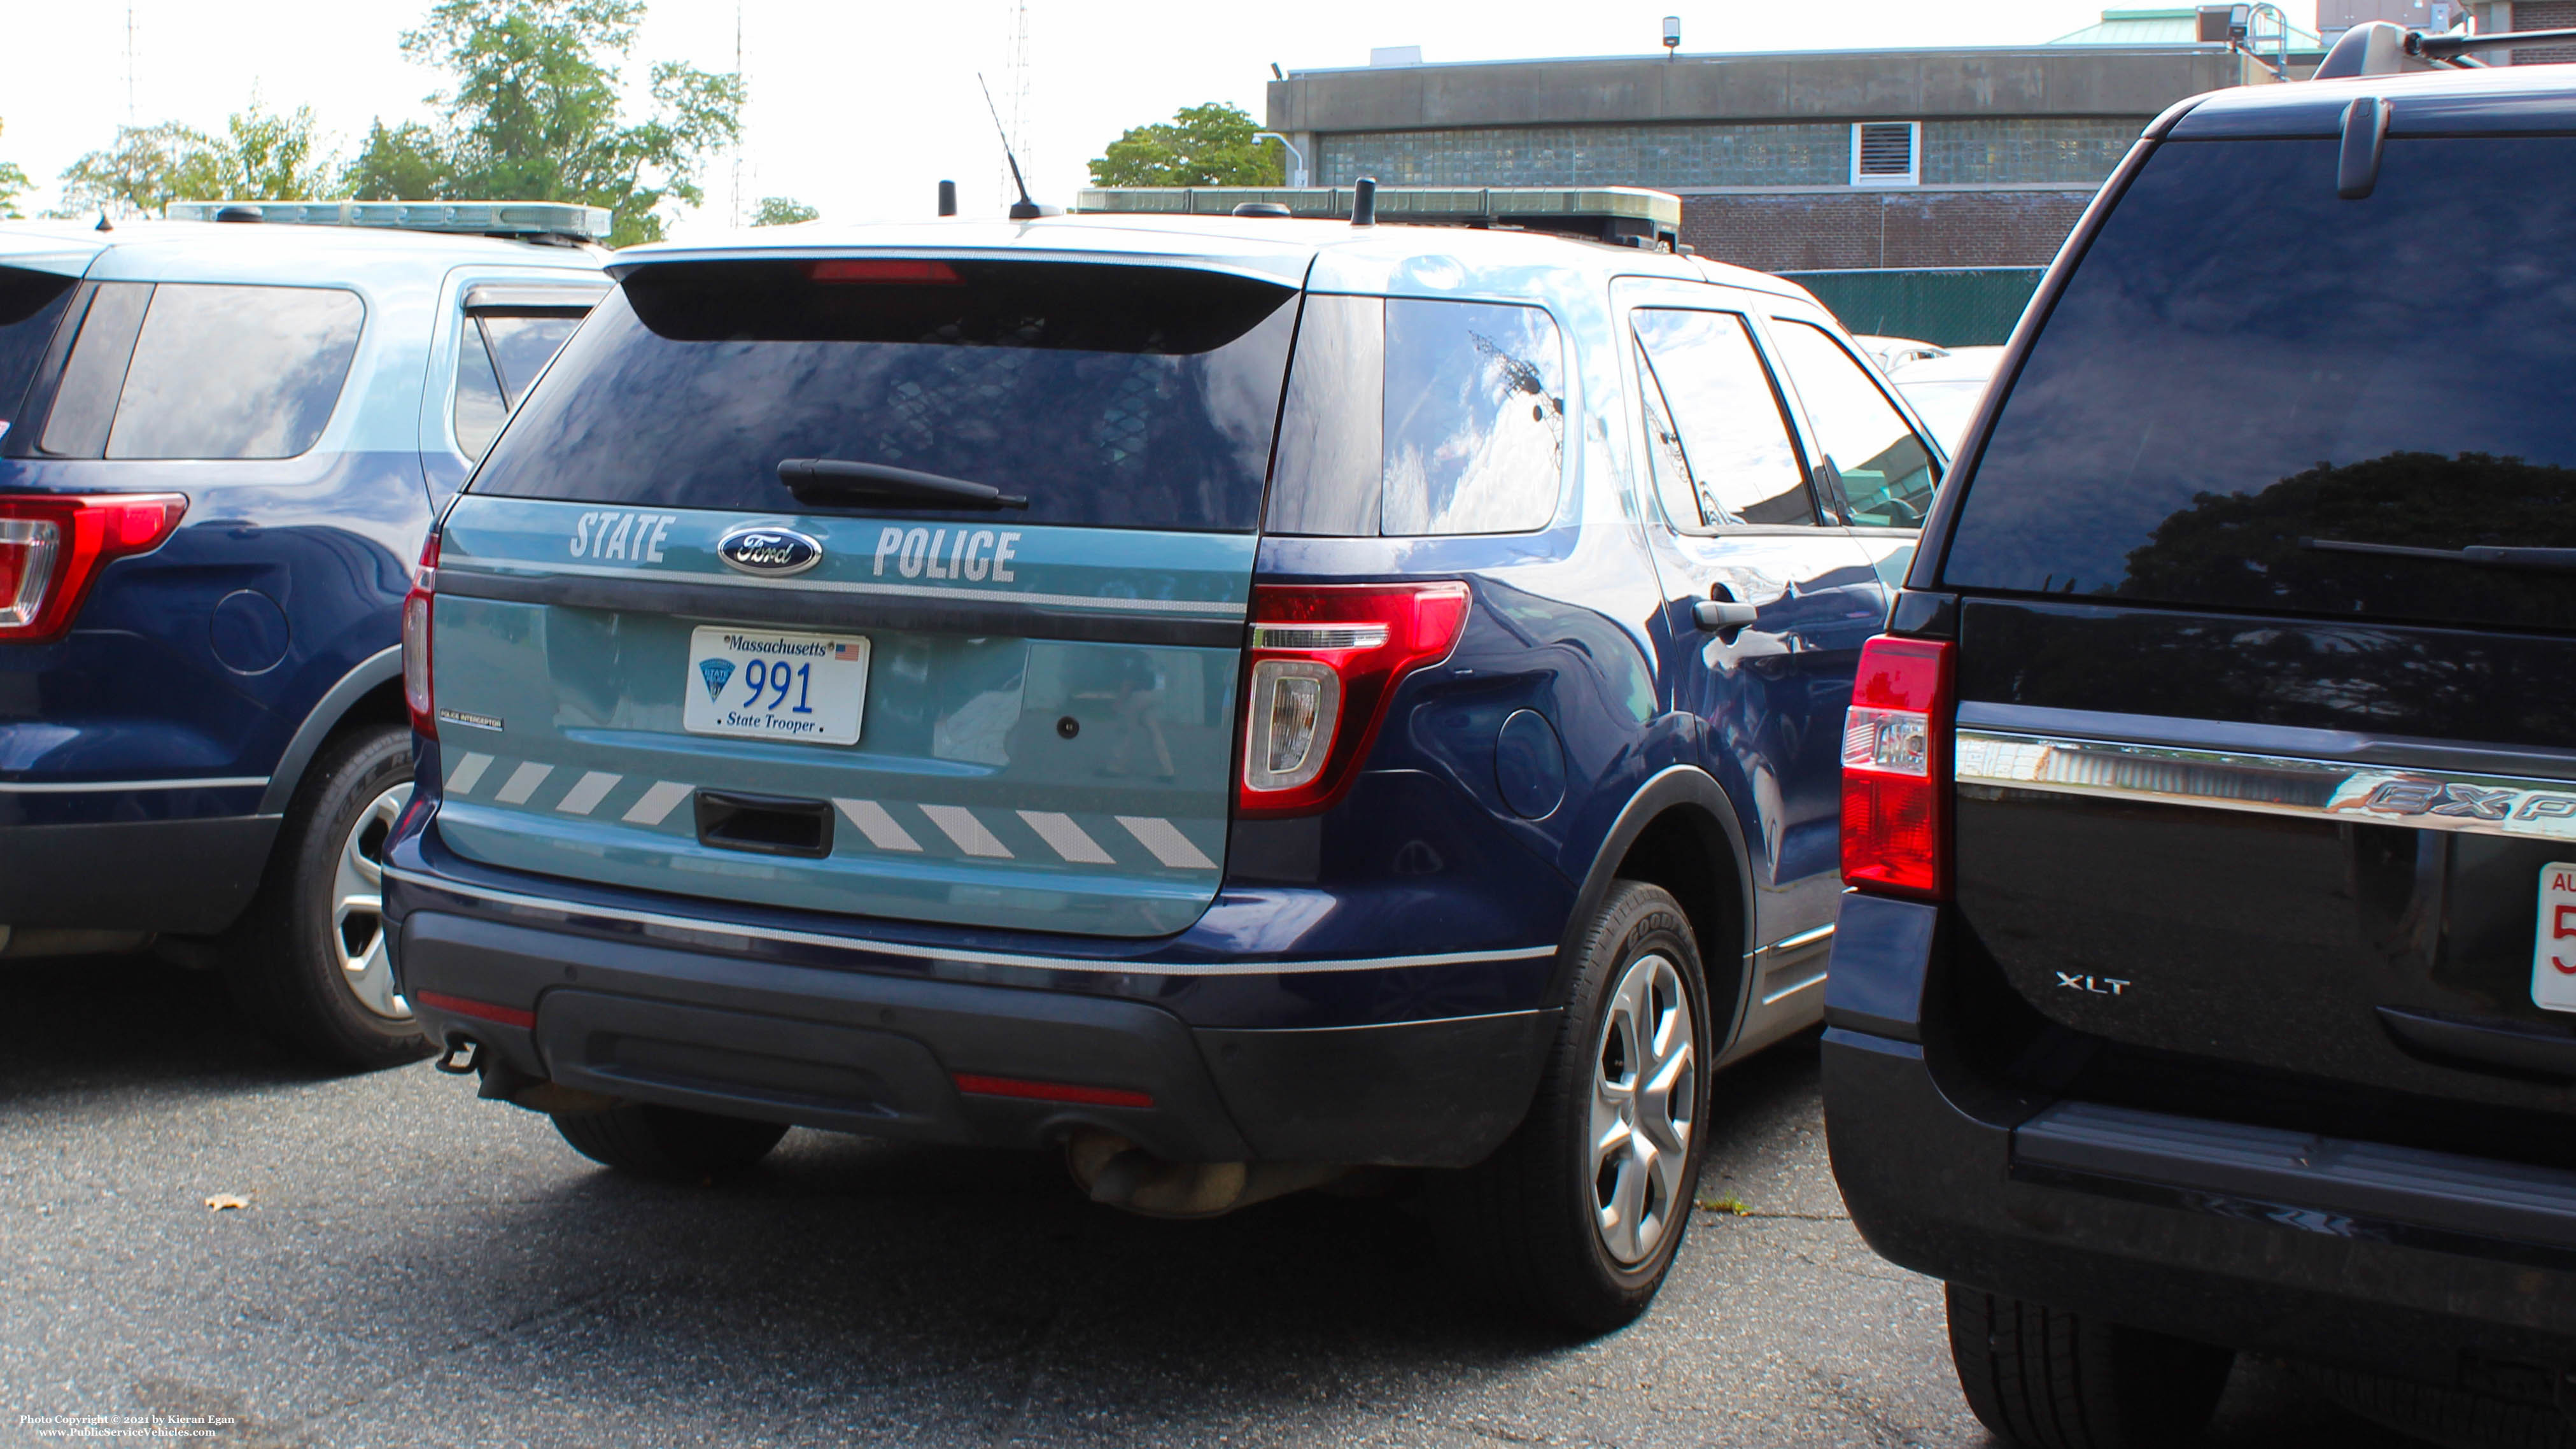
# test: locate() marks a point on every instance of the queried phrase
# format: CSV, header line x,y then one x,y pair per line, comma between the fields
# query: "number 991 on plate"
x,y
765,685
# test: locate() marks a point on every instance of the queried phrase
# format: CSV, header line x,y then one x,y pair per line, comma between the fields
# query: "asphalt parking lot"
x,y
415,1268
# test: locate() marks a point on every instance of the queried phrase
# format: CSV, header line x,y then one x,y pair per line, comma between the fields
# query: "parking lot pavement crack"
x,y
1032,1372
470,1344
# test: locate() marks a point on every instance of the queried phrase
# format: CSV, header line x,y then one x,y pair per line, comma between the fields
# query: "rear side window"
x,y
1886,471
1713,398
2255,394
31,306
1137,397
498,354
1409,417
235,372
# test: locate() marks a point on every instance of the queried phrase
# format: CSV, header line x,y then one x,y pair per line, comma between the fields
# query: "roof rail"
x,y
1624,215
474,218
2380,48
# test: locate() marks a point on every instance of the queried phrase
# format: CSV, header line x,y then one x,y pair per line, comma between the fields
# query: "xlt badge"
x,y
2093,985
770,552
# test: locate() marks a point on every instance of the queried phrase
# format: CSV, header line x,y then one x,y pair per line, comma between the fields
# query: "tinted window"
x,y
1886,470
31,304
2247,376
85,399
480,407
1332,431
522,346
1719,398
1475,418
235,372
1140,397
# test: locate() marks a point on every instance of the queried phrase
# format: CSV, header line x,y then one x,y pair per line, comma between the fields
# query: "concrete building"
x,y
1917,191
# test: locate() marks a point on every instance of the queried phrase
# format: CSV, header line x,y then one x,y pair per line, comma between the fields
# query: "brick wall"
x,y
1842,230
2544,15
2074,149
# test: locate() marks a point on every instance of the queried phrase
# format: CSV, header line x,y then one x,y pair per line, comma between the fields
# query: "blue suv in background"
x,y
1237,698
220,447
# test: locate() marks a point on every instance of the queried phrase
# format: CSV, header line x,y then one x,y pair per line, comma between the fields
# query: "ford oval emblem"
x,y
769,552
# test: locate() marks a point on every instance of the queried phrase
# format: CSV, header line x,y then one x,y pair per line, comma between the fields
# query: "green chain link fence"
x,y
1955,307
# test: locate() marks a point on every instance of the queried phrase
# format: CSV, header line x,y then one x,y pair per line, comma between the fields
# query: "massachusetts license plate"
x,y
2553,960
770,686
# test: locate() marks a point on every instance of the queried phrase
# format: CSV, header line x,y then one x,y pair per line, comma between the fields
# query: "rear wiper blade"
x,y
2482,554
829,480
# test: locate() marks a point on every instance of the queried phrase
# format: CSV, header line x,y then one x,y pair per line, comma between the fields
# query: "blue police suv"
x,y
1236,698
220,448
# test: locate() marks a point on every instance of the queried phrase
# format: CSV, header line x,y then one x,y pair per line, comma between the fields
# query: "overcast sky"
x,y
859,108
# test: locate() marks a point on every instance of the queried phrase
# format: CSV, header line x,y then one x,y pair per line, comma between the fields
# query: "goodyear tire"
x,y
309,965
1576,1219
2043,1378
668,1142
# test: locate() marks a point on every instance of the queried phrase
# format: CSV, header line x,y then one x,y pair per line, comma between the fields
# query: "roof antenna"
x,y
103,223
1364,201
1022,209
947,198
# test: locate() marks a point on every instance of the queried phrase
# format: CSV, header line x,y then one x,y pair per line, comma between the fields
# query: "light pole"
x,y
1296,158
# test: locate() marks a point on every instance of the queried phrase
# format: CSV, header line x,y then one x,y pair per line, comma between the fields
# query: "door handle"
x,y
1721,613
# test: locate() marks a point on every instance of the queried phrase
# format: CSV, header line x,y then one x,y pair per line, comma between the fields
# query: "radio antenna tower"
x,y
737,135
129,65
1015,88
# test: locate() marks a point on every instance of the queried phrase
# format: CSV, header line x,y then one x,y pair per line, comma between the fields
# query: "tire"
x,y
1529,1226
2044,1378
308,964
668,1142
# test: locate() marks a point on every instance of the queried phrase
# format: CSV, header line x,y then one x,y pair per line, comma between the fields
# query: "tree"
x,y
268,157
534,114
1209,145
13,184
146,169
783,211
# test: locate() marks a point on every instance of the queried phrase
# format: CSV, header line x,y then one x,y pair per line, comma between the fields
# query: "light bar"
x,y
1608,212
475,218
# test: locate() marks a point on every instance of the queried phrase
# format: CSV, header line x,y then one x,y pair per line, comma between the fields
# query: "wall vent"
x,y
1886,153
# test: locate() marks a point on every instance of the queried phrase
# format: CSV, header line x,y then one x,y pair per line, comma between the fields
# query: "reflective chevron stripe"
x,y
467,774
1066,838
583,798
656,803
878,826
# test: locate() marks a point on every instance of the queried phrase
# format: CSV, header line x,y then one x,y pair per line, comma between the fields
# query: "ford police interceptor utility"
x,y
1235,697
220,447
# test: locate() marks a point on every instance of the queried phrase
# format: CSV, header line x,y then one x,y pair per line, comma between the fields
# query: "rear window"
x,y
2254,394
31,305
1137,397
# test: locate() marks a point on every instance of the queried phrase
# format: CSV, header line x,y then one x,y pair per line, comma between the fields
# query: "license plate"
x,y
763,685
2553,960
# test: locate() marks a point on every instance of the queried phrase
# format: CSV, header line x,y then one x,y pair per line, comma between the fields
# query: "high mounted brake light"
x,y
1325,659
1896,769
52,546
882,270
418,606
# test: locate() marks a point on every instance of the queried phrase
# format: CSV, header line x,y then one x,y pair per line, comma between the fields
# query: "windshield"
x,y
2245,366
1136,397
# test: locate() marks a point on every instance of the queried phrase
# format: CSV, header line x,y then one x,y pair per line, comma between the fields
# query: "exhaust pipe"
x,y
1114,1171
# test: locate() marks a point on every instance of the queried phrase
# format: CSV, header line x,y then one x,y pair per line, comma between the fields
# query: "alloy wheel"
x,y
357,907
1644,1091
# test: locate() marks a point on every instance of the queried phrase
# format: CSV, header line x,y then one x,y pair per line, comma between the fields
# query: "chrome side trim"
x,y
1792,964
2285,785
78,787
569,910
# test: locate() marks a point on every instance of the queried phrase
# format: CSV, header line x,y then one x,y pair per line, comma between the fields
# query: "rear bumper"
x,y
2433,1266
186,876
915,1058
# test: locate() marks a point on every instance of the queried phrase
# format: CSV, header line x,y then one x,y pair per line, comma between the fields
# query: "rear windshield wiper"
x,y
2482,554
829,480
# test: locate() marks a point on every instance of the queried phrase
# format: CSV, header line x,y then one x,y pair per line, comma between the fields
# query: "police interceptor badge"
x,y
769,552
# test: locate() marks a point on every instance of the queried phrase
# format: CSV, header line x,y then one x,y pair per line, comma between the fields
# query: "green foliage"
x,y
534,114
13,184
261,155
1209,145
783,211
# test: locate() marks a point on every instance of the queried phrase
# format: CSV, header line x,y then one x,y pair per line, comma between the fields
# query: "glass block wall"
x,y
1971,152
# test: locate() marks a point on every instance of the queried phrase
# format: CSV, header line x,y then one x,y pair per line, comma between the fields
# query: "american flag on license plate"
x,y
847,653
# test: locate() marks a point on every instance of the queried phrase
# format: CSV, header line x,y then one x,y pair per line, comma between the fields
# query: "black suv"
x,y
2209,984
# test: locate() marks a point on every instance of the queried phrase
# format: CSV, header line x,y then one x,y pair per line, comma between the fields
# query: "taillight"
x,y
1324,660
1896,769
417,605
53,545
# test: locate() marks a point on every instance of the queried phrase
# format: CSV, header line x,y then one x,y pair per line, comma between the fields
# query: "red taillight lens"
x,y
1896,769
1324,660
881,270
53,545
417,607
